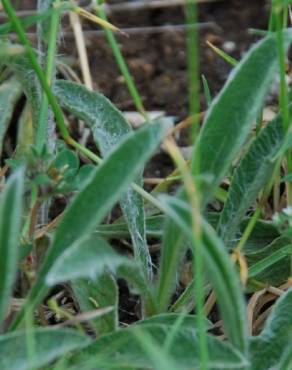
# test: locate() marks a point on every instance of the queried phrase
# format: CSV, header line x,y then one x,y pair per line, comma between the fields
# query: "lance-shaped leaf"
x,y
109,127
233,112
274,342
10,222
89,258
123,349
249,178
221,272
227,125
105,187
10,92
34,349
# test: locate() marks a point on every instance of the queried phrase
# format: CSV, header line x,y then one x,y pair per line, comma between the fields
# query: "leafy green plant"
x,y
239,250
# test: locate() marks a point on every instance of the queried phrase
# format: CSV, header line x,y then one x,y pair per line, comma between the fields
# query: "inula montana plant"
x,y
241,255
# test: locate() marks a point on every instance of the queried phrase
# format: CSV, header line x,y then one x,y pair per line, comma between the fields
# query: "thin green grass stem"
x,y
38,70
194,108
284,98
121,63
50,65
192,63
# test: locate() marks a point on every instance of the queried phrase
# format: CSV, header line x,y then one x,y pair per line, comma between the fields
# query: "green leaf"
x,y
10,223
268,348
89,258
253,172
170,319
154,228
107,184
109,127
98,293
26,22
47,345
10,92
221,272
232,114
271,264
269,261
122,350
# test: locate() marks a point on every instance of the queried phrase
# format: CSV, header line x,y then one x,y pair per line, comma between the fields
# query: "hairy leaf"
x,y
233,112
123,350
220,269
249,178
10,223
33,349
90,206
109,127
268,348
89,258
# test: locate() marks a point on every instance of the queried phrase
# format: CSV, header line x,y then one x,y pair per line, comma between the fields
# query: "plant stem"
x,y
121,63
44,110
191,186
248,230
197,245
38,70
192,61
284,99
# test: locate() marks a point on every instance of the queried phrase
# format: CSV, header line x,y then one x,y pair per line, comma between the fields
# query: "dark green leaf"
x,y
271,264
122,350
221,272
249,178
98,293
275,340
